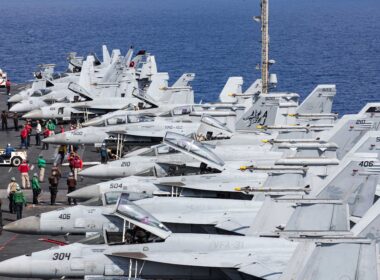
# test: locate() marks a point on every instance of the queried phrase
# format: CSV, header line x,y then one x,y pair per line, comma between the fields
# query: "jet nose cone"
x,y
15,98
85,193
35,114
16,267
97,171
19,107
29,225
56,139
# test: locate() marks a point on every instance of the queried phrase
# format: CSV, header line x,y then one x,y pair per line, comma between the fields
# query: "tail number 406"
x,y
366,163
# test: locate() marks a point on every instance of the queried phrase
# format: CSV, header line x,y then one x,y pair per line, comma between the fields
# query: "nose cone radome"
x,y
85,193
15,98
20,107
29,225
57,139
98,171
35,114
16,267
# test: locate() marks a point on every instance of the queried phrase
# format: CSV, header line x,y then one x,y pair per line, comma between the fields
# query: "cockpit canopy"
x,y
41,92
178,111
193,148
124,119
206,119
134,214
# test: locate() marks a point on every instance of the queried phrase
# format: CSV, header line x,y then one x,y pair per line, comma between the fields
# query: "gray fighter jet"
x,y
154,131
207,215
283,178
47,81
150,250
160,161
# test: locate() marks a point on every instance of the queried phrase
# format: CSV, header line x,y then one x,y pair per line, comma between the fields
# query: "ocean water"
x,y
324,41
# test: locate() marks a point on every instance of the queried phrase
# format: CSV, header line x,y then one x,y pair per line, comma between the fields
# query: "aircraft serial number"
x,y
64,216
61,256
125,164
116,186
173,127
366,163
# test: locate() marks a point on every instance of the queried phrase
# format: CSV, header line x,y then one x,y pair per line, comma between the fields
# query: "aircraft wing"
x,y
222,259
242,260
237,223
255,181
230,221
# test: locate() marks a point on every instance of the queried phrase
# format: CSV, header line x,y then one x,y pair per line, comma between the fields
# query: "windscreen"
x,y
187,144
130,210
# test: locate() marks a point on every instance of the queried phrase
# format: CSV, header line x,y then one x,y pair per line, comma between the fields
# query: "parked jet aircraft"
x,y
151,250
189,214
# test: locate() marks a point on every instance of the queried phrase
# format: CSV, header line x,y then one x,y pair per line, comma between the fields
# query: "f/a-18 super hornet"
x,y
353,182
148,249
139,74
162,161
72,91
282,180
153,132
236,182
47,81
166,100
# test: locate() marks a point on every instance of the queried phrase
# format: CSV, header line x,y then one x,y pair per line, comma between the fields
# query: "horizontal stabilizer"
x,y
271,218
337,261
320,218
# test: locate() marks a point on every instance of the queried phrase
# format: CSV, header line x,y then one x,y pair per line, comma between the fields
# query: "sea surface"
x,y
324,41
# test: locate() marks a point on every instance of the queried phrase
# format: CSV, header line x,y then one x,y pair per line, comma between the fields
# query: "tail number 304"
x,y
61,256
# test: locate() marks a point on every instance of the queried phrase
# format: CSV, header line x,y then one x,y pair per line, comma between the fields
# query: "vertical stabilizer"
x,y
87,73
354,182
184,80
263,112
319,101
128,56
156,90
233,86
348,131
106,56
115,56
255,88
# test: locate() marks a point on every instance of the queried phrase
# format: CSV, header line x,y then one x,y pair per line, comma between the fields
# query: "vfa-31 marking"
x,y
256,117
